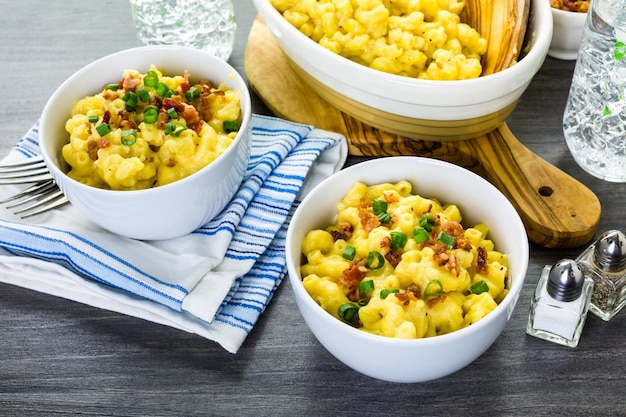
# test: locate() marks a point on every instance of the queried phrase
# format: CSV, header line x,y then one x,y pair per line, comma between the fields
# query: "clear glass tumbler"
x,y
208,25
594,122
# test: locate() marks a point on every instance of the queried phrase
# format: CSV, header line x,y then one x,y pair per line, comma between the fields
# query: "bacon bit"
x,y
448,261
369,221
103,143
110,95
106,117
174,103
195,126
390,197
184,86
130,83
92,149
481,259
464,244
345,231
431,303
393,257
129,124
412,293
352,275
386,242
453,228
190,114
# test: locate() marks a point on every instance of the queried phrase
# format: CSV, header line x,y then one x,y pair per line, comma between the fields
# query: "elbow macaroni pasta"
x,y
415,285
421,39
149,130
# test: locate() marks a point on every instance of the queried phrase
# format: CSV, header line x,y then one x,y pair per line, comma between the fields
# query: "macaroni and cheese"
x,y
400,265
148,130
421,39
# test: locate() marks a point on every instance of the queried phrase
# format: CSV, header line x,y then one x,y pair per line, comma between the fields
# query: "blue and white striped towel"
x,y
214,282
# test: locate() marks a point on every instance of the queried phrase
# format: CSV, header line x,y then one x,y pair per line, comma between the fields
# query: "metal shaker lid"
x,y
610,251
565,281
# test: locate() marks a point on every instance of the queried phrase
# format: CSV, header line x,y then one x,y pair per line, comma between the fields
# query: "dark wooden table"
x,y
59,357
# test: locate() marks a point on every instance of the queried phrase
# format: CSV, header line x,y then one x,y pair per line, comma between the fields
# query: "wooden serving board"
x,y
557,210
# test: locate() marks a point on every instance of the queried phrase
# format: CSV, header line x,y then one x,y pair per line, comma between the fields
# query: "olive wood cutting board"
x,y
557,210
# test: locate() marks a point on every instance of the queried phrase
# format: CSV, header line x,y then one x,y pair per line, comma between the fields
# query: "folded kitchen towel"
x,y
215,281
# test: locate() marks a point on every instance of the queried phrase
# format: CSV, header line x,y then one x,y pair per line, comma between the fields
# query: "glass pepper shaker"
x,y
605,262
560,303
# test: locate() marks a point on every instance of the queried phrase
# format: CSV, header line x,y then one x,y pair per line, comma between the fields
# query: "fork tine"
x,y
24,171
53,200
39,187
57,203
34,193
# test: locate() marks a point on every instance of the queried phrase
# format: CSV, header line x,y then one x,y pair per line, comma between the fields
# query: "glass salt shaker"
x,y
605,262
560,303
593,121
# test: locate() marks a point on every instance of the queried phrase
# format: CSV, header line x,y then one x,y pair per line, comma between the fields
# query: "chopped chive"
x,y
171,112
143,94
349,252
366,286
230,126
420,235
150,114
479,287
433,294
398,240
445,238
384,293
92,119
349,312
375,260
103,129
151,79
128,137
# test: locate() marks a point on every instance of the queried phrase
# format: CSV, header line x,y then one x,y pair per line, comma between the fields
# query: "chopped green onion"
x,y
349,252
150,114
434,294
151,79
171,112
131,100
143,94
398,240
349,313
230,126
427,222
378,257
128,137
192,94
92,119
479,287
384,218
420,235
366,286
379,206
384,293
112,87
445,238
174,128
103,129
163,90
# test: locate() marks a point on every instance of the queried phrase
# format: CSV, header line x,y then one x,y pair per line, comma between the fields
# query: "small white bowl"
x,y
417,360
411,107
164,212
566,34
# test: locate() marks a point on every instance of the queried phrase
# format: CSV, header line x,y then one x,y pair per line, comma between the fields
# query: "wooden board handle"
x,y
557,210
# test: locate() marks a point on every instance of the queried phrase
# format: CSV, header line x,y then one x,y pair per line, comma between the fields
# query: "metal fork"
x,y
42,196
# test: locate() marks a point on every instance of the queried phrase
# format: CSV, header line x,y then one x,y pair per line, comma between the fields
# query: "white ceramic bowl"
x,y
413,108
163,212
566,34
414,360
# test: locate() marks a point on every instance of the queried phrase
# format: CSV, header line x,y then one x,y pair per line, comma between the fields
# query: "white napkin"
x,y
214,282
